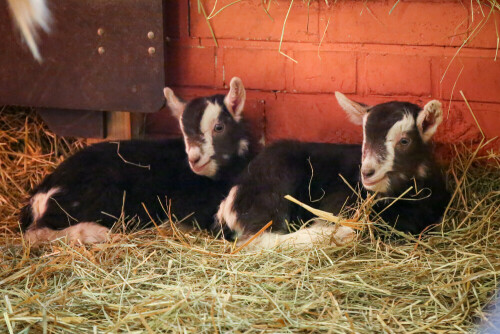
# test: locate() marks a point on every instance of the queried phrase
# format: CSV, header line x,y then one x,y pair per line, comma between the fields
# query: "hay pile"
x,y
28,151
170,281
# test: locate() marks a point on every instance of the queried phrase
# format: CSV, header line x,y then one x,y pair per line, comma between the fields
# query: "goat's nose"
x,y
194,160
367,173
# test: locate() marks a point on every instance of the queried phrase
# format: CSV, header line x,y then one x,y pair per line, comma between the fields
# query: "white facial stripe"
x,y
208,120
406,124
365,117
369,158
210,116
397,130
400,127
206,150
39,203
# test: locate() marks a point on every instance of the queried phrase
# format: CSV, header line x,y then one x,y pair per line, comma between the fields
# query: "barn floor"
x,y
166,280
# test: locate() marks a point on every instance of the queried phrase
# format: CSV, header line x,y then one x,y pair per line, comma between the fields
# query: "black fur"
x,y
283,169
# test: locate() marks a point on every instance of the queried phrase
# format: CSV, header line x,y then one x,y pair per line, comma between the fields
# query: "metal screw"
x,y
101,50
100,31
151,50
151,35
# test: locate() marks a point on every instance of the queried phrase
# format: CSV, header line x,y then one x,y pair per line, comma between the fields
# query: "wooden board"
x,y
75,123
102,55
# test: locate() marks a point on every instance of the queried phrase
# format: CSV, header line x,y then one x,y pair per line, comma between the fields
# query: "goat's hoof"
x,y
88,233
344,235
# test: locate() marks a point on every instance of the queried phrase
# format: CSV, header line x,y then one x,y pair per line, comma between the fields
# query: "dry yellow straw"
x,y
324,214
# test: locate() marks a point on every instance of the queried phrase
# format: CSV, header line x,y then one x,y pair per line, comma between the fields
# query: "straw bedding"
x,y
172,281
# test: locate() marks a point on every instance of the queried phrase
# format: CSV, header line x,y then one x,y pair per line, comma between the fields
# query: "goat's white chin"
x,y
208,168
380,183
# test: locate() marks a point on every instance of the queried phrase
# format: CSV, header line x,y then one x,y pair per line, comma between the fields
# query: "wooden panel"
x,y
101,55
74,123
118,126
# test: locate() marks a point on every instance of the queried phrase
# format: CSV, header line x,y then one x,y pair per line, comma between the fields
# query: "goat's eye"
x,y
404,141
219,127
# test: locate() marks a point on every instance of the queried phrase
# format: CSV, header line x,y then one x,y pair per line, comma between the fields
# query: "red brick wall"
x,y
365,52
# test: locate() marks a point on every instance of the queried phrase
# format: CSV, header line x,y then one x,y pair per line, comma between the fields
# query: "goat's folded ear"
x,y
175,105
356,111
429,119
235,99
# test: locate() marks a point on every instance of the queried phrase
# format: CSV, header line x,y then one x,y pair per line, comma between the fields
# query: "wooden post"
x,y
118,125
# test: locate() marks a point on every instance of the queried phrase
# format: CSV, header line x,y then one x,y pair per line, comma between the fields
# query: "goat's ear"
x,y
356,111
174,103
235,99
429,119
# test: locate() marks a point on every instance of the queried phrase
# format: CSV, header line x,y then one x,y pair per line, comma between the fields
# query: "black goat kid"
x,y
394,157
89,191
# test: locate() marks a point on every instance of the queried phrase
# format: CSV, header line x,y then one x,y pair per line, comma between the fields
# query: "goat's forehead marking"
x,y
200,115
405,124
385,124
210,116
193,114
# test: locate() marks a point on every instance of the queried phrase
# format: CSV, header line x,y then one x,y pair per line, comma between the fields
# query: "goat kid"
x,y
395,156
90,190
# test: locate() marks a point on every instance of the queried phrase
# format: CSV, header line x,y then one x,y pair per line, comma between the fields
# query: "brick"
x,y
486,34
479,80
254,116
190,65
489,120
247,20
316,118
410,23
397,75
333,71
458,125
258,68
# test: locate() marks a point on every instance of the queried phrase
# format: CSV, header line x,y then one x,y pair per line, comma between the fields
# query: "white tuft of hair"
x,y
29,16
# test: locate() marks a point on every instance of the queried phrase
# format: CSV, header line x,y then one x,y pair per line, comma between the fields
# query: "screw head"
x,y
151,50
100,31
101,50
151,35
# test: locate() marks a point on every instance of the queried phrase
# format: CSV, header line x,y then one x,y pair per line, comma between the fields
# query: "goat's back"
x,y
307,171
106,180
